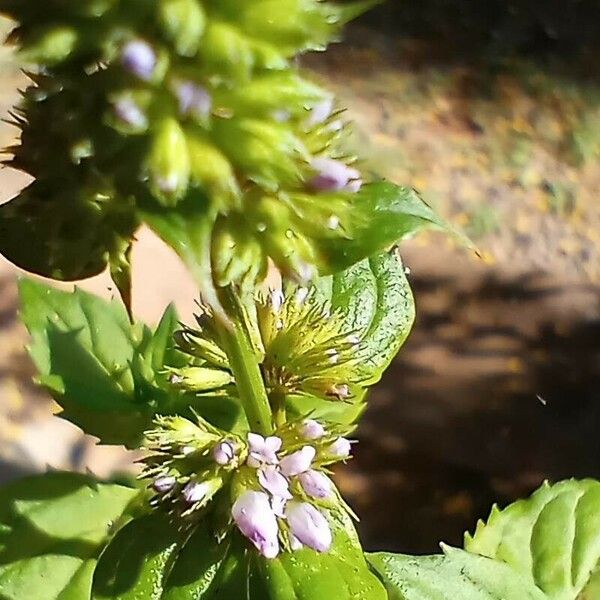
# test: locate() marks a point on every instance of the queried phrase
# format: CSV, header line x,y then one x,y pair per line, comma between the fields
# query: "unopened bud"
x,y
341,448
183,22
169,162
201,379
312,430
309,526
320,112
223,453
164,484
256,520
201,492
316,484
193,99
298,462
139,58
334,176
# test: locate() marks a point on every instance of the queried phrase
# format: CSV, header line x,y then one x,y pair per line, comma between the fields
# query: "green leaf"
x,y
44,235
382,214
552,537
150,560
83,347
342,573
138,560
52,529
456,575
377,306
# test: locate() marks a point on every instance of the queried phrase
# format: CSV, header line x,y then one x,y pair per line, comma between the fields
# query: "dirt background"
x,y
498,388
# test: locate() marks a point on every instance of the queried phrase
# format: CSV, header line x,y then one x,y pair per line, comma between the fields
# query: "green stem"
x,y
278,403
245,367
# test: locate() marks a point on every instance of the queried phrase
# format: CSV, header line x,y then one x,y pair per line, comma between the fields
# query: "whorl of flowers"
x,y
185,101
305,349
276,490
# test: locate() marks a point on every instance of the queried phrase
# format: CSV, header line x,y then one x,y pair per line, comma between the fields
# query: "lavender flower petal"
x,y
256,520
309,526
138,57
274,482
298,462
316,484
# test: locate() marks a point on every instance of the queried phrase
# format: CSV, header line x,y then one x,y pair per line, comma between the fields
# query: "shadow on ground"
x,y
497,390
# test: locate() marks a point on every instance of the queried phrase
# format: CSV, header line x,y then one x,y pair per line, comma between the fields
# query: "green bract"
x,y
183,105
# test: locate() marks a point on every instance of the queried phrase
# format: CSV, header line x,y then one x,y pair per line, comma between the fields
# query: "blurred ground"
x,y
499,386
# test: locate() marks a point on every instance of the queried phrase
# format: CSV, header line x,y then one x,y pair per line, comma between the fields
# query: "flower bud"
x,y
194,100
256,520
334,176
183,21
341,448
320,112
169,162
201,492
309,526
164,484
274,482
316,484
130,114
139,58
263,450
200,379
298,462
312,430
223,453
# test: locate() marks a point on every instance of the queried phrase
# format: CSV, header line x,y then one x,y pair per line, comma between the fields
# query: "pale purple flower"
x,y
138,57
164,484
334,176
129,112
297,462
256,520
320,112
341,448
196,492
193,99
263,450
309,526
316,484
274,482
223,453
278,505
312,430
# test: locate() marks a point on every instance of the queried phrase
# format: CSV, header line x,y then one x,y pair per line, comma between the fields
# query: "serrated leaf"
x,y
52,529
108,375
82,347
382,214
553,537
455,575
378,307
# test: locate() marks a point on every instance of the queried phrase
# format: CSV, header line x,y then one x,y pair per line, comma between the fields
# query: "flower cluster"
x,y
187,100
277,487
306,348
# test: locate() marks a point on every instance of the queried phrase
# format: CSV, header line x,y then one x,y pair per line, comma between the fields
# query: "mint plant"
x,y
193,117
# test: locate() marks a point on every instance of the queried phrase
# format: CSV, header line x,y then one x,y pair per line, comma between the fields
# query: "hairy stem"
x,y
244,364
